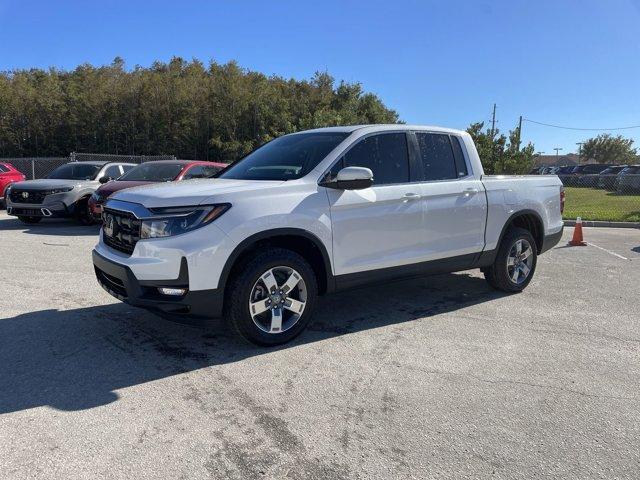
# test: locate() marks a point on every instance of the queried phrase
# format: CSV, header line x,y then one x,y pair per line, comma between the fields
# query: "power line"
x,y
577,128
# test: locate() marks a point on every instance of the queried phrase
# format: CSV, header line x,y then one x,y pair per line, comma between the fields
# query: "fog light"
x,y
175,292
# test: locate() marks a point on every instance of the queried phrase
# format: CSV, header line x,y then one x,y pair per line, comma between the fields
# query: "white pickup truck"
x,y
319,211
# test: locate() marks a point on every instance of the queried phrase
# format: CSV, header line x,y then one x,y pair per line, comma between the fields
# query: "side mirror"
x,y
105,179
351,178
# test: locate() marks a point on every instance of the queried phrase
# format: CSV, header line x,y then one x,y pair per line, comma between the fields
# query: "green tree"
x,y
185,108
606,148
500,154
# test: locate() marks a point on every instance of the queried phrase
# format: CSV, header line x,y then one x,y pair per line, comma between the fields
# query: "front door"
x,y
381,226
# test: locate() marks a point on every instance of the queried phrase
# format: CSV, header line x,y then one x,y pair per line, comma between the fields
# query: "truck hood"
x,y
46,184
188,192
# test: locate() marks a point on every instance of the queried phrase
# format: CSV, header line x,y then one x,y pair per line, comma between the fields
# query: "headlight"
x,y
60,190
178,220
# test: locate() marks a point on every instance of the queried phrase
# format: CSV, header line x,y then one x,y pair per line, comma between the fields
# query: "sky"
x,y
572,63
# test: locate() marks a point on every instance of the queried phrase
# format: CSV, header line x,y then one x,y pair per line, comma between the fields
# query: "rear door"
x,y
455,201
381,226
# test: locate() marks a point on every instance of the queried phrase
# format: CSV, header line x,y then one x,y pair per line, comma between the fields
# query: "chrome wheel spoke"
x,y
515,275
276,320
511,261
519,247
527,253
259,307
291,282
294,306
269,280
525,269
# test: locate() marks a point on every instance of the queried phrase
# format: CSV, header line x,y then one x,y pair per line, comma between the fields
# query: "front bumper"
x,y
119,281
49,210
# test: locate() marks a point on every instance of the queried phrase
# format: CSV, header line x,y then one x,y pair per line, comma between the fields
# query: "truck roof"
x,y
385,126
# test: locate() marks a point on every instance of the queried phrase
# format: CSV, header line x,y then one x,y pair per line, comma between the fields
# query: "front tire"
x,y
83,212
30,220
271,297
515,262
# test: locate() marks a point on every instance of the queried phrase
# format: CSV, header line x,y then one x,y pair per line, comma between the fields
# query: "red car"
x,y
8,175
153,172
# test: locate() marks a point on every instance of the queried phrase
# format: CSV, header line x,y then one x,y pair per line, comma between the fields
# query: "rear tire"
x,y
515,262
30,220
249,307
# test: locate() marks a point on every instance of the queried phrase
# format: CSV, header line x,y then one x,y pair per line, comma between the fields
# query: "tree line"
x,y
183,108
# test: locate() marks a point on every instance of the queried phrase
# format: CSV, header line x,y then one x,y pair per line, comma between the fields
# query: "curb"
x,y
598,223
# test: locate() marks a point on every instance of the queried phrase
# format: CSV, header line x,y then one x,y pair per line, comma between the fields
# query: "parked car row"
x,y
78,189
621,178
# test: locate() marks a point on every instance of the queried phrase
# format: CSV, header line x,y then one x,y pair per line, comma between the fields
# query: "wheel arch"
x,y
306,244
529,220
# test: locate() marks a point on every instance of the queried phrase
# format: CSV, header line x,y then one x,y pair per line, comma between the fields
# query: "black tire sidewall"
x,y
83,214
242,284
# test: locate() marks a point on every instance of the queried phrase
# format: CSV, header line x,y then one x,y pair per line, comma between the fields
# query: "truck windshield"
x,y
75,171
153,172
285,158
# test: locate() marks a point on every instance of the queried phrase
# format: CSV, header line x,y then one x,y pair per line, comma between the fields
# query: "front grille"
x,y
121,230
28,196
26,212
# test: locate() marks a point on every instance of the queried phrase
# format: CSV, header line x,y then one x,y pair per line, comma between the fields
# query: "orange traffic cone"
x,y
577,240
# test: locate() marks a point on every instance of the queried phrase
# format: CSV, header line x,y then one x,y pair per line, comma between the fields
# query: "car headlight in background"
x,y
59,190
178,220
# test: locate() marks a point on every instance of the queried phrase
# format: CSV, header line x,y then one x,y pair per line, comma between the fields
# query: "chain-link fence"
x,y
106,157
40,167
606,197
36,167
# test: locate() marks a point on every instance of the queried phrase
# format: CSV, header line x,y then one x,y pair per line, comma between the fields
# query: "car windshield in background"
x,y
75,171
285,158
153,172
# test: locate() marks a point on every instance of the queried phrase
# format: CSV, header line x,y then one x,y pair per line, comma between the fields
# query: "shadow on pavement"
x,y
57,226
76,359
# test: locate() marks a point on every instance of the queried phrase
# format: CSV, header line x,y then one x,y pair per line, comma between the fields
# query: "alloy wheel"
x,y
520,261
278,299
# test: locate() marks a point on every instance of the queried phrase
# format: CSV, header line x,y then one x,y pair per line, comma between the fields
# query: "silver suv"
x,y
63,193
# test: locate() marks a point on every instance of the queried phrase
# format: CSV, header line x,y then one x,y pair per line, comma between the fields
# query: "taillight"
x,y
562,200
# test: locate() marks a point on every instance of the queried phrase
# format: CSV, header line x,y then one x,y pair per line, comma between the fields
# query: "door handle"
x,y
470,191
411,196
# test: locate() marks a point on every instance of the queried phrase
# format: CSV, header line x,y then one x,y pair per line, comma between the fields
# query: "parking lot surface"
x,y
434,378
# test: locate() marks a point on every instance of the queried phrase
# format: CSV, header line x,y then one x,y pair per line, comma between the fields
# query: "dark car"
x,y
586,175
153,172
607,178
628,180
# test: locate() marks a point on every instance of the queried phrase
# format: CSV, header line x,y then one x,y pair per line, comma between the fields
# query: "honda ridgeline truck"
x,y
320,211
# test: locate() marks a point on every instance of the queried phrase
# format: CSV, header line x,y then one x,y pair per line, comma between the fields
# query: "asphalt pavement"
x,y
435,378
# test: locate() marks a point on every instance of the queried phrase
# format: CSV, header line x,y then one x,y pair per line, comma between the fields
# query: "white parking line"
x,y
608,251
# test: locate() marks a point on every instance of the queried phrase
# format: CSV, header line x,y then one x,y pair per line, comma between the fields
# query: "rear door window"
x,y
437,157
385,154
113,171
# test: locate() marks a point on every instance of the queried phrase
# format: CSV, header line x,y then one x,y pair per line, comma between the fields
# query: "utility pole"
x,y
519,132
579,151
557,149
493,121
